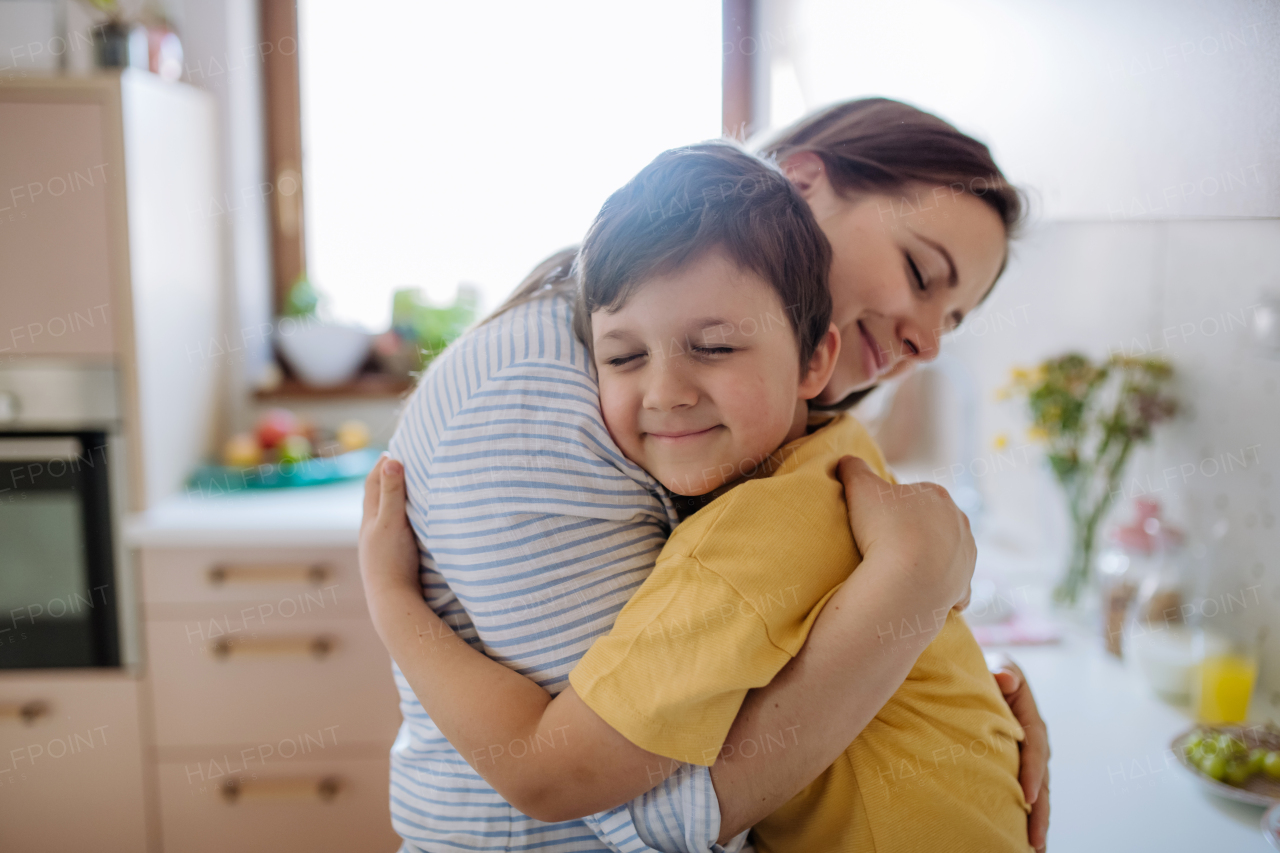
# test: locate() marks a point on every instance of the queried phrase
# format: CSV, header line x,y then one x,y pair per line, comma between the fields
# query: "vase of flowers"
x,y
1090,417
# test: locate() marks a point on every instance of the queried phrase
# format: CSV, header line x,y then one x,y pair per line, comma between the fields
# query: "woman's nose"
x,y
668,385
921,342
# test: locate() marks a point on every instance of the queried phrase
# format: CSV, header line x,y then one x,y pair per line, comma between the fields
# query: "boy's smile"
x,y
699,374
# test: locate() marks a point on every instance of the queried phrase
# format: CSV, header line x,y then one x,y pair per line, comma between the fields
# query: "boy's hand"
x,y
388,549
919,521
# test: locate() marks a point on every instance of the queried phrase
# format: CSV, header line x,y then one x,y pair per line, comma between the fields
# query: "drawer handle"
x,y
228,573
323,789
318,647
27,712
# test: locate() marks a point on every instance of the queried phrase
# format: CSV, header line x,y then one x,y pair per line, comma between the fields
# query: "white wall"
x,y
1146,132
1110,109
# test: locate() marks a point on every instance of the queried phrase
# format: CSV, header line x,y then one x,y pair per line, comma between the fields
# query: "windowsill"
x,y
364,386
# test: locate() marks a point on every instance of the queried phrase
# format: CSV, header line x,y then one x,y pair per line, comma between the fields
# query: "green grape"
x,y
1256,759
1237,773
1215,767
1195,740
1271,765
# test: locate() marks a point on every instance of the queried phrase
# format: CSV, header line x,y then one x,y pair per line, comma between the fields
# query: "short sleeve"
x,y
682,655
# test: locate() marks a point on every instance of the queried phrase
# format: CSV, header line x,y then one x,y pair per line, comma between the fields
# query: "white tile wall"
x,y
1186,291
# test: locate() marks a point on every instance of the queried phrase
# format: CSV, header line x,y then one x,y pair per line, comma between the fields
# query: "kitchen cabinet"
x,y
71,763
271,696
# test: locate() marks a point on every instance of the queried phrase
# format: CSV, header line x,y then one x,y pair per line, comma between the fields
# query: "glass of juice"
x,y
1226,669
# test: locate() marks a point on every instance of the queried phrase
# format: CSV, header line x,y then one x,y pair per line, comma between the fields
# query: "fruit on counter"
x,y
242,451
280,436
353,435
1230,759
274,426
295,448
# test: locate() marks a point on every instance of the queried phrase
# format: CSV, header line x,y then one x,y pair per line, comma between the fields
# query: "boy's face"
x,y
700,375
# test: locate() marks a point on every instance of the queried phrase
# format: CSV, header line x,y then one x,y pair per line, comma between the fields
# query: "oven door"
x,y
57,579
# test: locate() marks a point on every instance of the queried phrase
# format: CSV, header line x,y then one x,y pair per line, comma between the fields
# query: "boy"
x,y
704,302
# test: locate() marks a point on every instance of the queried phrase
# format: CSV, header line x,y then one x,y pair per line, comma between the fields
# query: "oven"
x,y
59,545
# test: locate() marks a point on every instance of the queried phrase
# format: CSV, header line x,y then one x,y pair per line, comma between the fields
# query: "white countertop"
x,y
1115,784
311,515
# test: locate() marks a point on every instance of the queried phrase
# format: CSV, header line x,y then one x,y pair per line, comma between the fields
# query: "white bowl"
x,y
322,354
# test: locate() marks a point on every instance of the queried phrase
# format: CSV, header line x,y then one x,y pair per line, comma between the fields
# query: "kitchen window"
x,y
426,163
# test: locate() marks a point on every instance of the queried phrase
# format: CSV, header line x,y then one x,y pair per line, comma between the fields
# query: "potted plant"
x,y
1090,417
323,354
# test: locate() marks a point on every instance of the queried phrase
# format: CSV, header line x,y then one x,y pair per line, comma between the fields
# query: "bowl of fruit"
x,y
1237,762
284,451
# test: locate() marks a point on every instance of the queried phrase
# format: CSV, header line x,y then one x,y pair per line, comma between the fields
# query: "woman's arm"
x,y
556,759
553,760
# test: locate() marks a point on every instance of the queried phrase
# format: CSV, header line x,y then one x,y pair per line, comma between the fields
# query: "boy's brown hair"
x,y
691,200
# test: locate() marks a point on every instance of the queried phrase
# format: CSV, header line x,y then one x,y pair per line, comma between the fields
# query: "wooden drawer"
x,y
71,765
315,805
312,578
285,677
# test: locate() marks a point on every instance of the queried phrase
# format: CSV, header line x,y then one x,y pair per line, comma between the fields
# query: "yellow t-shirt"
x,y
732,599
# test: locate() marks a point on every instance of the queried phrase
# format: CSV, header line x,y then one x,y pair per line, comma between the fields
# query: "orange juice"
x,y
1224,685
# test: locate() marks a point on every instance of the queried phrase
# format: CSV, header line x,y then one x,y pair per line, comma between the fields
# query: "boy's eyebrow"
x,y
704,323
616,335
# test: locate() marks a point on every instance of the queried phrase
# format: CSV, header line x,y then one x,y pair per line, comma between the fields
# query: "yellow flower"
x,y
1000,441
1019,375
1038,434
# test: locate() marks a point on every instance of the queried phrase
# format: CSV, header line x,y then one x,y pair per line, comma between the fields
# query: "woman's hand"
x,y
919,521
388,549
1034,773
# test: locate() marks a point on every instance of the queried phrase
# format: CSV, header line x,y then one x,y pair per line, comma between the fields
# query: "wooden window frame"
x,y
737,98
283,104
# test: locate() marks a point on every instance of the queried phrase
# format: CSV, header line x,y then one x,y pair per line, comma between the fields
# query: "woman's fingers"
x,y
1038,821
1035,749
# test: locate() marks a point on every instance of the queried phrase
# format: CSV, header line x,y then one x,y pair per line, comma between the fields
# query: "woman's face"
x,y
907,268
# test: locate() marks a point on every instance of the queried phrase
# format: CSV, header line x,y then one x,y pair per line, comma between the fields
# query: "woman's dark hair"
x,y
877,145
711,196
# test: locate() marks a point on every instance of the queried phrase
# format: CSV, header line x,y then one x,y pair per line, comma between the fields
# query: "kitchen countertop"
x,y
311,515
1115,784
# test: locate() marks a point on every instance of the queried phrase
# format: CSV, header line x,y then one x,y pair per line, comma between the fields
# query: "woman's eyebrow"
x,y
953,278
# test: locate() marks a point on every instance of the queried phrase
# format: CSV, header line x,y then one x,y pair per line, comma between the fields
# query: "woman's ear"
x,y
805,170
821,365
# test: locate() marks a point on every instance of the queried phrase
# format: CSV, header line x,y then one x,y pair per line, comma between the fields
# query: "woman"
x,y
503,442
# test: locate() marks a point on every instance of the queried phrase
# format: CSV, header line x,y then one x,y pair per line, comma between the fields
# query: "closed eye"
x,y
620,360
915,271
713,350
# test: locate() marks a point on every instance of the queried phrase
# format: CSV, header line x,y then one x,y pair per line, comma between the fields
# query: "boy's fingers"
x,y
391,496
372,488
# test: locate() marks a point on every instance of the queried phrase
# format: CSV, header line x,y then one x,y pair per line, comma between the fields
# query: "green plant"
x,y
1090,417
303,299
432,328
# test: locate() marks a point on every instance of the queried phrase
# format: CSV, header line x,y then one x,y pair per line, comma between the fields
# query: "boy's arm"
x,y
553,759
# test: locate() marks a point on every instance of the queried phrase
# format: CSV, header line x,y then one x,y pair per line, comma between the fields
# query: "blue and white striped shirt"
x,y
534,531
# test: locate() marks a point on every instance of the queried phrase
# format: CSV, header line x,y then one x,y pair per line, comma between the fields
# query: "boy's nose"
x,y
669,387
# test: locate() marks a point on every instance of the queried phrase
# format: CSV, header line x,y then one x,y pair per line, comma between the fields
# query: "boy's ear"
x,y
822,365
